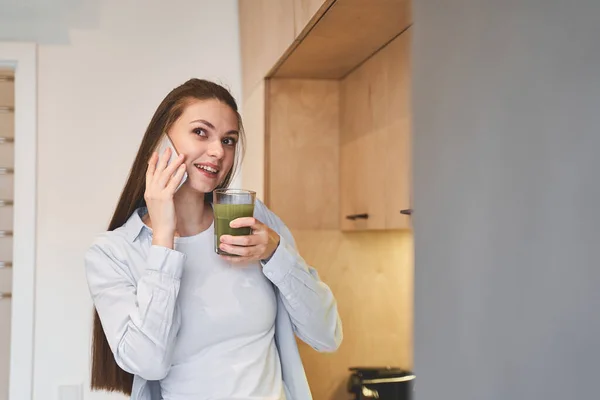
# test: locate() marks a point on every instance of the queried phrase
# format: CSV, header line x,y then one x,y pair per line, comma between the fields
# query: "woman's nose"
x,y
215,149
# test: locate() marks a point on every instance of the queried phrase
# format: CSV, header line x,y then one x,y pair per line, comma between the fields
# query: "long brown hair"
x,y
106,374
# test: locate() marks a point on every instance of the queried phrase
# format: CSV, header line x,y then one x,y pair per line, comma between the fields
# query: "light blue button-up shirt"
x,y
134,287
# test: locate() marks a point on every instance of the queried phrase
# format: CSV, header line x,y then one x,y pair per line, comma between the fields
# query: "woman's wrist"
x,y
164,240
275,240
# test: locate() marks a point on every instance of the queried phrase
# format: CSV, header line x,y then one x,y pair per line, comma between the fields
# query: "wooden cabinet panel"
x,y
303,152
374,140
7,98
7,88
253,117
7,125
266,31
362,142
371,276
347,34
305,10
398,158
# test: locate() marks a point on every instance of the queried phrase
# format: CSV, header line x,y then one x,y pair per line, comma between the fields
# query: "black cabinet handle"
x,y
354,217
408,211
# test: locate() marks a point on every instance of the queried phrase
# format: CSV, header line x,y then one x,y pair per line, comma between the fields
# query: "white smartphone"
x,y
162,146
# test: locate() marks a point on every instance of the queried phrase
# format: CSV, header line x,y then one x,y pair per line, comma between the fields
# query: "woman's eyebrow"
x,y
211,126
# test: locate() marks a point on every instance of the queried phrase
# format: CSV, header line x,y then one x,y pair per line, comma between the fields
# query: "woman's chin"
x,y
200,187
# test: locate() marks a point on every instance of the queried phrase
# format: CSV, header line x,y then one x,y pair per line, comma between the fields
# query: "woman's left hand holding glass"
x,y
259,245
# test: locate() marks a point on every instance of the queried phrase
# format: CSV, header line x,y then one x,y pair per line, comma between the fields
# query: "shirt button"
x,y
269,274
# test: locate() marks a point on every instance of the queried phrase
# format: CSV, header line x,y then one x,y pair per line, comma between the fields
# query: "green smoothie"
x,y
224,214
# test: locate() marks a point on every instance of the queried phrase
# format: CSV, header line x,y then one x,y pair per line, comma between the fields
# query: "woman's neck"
x,y
194,215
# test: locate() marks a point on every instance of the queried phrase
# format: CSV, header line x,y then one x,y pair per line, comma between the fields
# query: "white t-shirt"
x,y
225,348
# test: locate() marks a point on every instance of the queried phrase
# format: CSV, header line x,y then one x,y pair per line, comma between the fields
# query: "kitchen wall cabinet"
x,y
342,146
375,141
266,31
346,34
303,152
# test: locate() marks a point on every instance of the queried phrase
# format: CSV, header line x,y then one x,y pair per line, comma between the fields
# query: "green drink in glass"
x,y
230,204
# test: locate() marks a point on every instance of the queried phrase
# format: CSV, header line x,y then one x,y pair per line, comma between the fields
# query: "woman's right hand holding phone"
x,y
161,183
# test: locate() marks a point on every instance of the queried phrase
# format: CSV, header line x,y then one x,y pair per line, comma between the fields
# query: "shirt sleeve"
x,y
308,300
137,317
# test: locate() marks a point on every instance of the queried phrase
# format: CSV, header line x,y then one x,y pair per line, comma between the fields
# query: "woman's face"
x,y
207,134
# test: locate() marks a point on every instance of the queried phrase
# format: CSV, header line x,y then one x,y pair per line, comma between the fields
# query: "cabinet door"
x,y
398,156
362,149
303,147
375,141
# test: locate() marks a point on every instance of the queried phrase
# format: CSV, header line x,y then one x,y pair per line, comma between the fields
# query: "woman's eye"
x,y
229,141
199,132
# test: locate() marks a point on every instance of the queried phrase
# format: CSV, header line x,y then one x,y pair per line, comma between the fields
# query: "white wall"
x,y
97,92
507,100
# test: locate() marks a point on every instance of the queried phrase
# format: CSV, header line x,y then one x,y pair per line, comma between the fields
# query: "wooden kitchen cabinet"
x,y
305,10
266,31
375,141
303,148
253,165
341,36
319,160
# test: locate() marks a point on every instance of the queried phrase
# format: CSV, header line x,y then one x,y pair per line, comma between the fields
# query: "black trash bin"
x,y
383,383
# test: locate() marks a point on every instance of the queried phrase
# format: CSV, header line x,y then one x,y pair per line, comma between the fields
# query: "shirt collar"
x,y
134,225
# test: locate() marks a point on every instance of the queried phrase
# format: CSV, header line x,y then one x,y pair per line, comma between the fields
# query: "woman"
x,y
176,321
